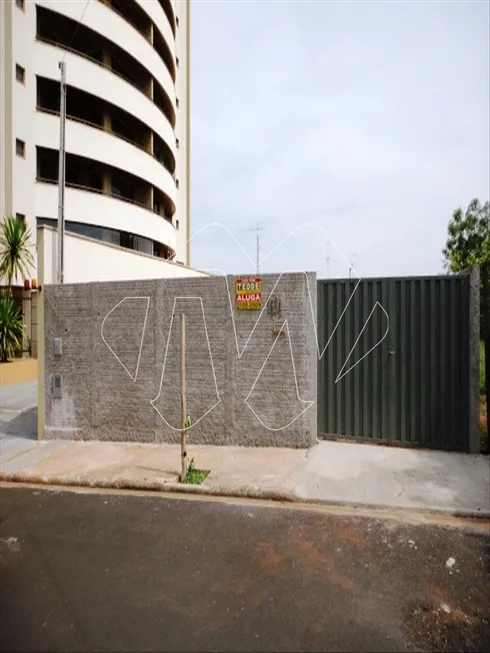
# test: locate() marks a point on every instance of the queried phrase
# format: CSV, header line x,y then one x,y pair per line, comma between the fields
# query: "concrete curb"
x,y
250,492
246,492
401,510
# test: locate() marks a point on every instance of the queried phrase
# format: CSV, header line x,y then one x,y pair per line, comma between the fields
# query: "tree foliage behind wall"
x,y
468,243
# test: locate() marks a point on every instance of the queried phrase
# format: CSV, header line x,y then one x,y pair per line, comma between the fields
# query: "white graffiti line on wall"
x,y
340,375
304,401
320,354
291,234
152,402
142,335
274,249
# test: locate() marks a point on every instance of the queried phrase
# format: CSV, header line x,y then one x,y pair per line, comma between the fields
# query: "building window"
x,y
176,224
177,102
177,143
177,183
21,217
177,61
20,147
114,237
20,3
177,20
20,73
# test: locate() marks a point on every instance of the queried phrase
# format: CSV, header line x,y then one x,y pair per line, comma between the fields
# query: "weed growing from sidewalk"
x,y
195,476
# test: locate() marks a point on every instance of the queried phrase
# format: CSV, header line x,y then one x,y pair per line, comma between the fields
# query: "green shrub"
x,y
11,327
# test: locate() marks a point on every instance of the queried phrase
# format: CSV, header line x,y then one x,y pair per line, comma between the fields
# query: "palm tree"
x,y
11,327
15,254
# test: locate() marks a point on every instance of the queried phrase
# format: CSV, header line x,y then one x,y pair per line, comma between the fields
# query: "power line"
x,y
77,26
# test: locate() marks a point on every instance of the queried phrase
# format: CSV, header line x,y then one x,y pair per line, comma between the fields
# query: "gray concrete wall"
x,y
134,394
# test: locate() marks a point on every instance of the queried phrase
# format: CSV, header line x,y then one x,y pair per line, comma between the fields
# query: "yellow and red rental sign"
x,y
248,294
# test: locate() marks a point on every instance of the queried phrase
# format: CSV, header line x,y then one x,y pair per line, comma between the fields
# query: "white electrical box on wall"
x,y
58,347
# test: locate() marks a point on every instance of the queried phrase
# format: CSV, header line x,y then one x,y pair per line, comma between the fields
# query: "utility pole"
x,y
61,175
258,228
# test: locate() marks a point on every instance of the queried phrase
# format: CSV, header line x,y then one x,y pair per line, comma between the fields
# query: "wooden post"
x,y
183,443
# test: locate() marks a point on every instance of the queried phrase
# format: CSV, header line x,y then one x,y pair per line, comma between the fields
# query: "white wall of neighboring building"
x,y
93,143
102,19
183,131
86,207
87,260
21,193
5,107
102,83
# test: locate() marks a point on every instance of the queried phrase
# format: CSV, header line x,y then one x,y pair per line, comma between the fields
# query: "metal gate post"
x,y
474,362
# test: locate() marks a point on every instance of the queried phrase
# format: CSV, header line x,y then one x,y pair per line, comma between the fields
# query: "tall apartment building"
x,y
127,127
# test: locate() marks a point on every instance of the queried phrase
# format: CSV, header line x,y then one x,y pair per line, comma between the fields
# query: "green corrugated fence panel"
x,y
411,389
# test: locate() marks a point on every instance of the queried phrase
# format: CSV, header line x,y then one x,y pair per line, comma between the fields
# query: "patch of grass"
x,y
195,476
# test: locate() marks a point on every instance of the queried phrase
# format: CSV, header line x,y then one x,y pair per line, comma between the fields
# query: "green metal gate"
x,y
412,388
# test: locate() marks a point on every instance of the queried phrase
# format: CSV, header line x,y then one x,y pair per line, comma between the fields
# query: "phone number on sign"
x,y
249,306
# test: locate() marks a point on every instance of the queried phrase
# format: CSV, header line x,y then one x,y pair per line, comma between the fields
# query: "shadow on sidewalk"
x,y
23,425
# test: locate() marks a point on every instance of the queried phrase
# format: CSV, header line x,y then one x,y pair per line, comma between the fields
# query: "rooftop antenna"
x,y
328,260
258,228
351,266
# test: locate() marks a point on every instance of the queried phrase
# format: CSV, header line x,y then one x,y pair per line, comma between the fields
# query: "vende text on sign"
x,y
248,293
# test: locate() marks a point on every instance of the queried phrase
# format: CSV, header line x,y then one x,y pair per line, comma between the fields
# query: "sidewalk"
x,y
336,473
18,409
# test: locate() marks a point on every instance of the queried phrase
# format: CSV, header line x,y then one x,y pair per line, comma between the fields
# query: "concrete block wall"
x,y
120,362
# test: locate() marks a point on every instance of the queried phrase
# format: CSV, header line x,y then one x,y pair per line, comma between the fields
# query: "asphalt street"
x,y
84,571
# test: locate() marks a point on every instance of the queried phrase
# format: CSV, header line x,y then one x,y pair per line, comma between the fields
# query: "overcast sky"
x,y
368,119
